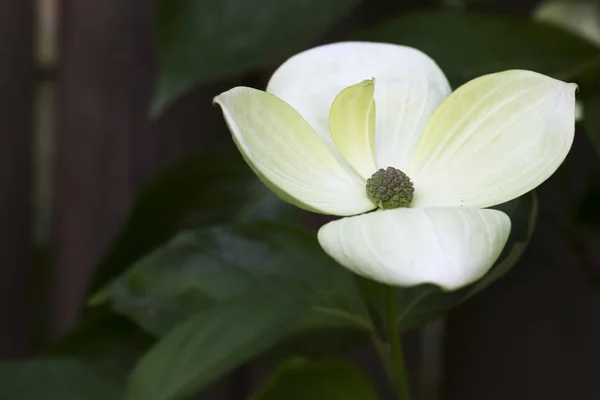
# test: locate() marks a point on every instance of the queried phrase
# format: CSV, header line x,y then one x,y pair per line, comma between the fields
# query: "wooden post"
x,y
103,85
16,114
107,145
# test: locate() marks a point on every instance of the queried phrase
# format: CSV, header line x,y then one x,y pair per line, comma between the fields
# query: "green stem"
x,y
396,354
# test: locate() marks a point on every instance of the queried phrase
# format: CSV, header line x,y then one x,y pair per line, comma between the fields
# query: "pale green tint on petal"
x,y
578,17
448,247
495,138
288,155
403,109
352,124
310,81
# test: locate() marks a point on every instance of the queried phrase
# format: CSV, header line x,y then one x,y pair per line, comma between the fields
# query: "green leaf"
x,y
591,116
587,217
422,304
317,344
204,40
203,268
205,189
206,346
323,380
469,45
105,339
205,292
57,379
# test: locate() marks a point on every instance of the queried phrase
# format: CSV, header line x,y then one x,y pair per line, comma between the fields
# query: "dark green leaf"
x,y
103,338
317,344
323,380
57,379
206,189
203,40
203,268
206,346
424,303
469,45
591,116
216,275
588,212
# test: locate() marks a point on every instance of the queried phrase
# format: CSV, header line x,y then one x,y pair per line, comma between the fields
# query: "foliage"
x,y
212,270
297,380
203,40
470,45
57,379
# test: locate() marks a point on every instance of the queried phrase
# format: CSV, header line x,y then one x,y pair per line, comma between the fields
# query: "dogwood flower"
x,y
352,127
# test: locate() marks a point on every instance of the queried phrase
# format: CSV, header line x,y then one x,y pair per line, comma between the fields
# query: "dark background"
x,y
535,334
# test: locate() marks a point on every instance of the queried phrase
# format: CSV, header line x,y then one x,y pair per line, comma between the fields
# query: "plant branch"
x,y
396,353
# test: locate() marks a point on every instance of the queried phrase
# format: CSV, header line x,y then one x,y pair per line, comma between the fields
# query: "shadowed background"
x,y
77,144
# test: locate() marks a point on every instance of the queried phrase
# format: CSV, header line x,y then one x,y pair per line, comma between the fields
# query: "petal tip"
x,y
495,138
574,87
287,155
221,98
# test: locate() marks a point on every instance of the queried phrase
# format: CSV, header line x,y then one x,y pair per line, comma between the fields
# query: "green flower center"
x,y
390,188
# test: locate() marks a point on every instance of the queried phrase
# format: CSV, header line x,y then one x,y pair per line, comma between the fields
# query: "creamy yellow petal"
x,y
448,247
403,109
310,81
288,155
494,139
352,124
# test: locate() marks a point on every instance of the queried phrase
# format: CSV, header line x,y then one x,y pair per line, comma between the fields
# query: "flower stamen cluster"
x,y
390,188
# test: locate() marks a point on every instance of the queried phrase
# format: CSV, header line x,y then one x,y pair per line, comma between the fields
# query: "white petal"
x,y
494,139
309,82
448,247
352,122
285,152
403,109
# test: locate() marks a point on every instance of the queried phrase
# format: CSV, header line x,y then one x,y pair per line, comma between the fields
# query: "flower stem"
x,y
396,354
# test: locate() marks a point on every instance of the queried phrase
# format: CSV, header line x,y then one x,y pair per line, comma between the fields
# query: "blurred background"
x,y
79,142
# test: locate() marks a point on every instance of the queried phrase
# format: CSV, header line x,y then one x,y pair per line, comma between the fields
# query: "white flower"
x,y
323,128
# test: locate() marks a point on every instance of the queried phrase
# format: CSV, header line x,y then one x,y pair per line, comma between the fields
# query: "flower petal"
x,y
352,123
285,152
403,110
448,247
310,81
495,138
